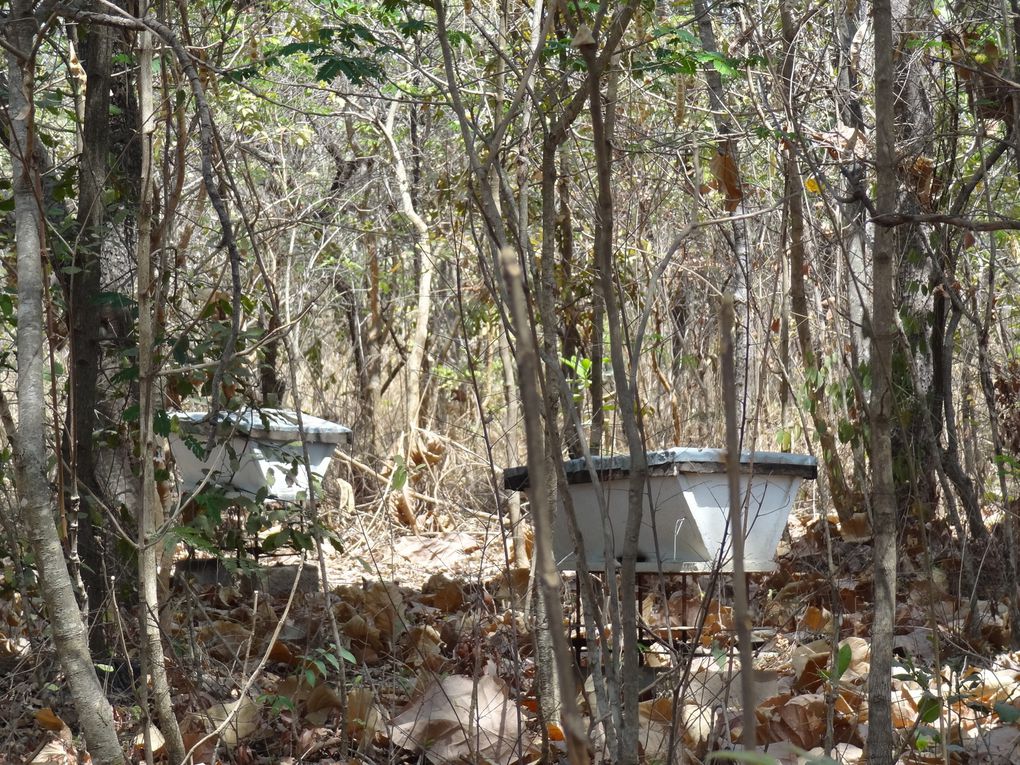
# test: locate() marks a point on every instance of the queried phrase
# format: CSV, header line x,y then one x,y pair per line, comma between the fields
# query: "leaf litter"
x,y
438,659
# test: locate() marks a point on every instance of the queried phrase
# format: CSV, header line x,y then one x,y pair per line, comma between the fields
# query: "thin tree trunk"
x,y
541,504
83,285
424,304
95,714
845,504
853,212
150,509
741,616
627,752
883,490
726,147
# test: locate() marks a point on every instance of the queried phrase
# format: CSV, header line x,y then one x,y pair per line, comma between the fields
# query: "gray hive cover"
x,y
271,425
684,459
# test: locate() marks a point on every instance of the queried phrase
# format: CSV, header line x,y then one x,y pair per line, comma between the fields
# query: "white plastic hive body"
x,y
685,520
255,450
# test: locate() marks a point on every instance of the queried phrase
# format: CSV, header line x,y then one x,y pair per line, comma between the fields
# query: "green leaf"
x,y
399,477
784,440
928,708
456,38
161,423
1008,713
843,658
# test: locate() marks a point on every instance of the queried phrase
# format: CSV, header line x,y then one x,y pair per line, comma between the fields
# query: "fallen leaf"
x,y
47,719
155,737
446,724
816,619
442,593
56,752
364,718
282,654
241,725
323,698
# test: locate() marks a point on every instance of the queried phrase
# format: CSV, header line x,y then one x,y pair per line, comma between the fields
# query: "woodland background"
x,y
479,234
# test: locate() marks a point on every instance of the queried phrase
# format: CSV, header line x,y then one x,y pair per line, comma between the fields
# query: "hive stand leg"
x,y
576,637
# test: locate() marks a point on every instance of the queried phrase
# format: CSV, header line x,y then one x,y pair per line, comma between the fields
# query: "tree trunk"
x,y
83,288
845,503
69,634
541,505
627,745
726,151
883,490
416,350
150,515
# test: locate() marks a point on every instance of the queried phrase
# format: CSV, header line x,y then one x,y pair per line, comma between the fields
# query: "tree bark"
x,y
726,148
83,288
95,714
150,512
576,738
627,744
842,499
423,309
883,490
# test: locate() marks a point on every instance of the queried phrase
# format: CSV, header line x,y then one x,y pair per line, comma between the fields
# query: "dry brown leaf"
x,y
904,709
806,660
364,717
511,586
851,704
296,689
857,528
804,719
658,710
724,170
241,725
282,654
385,606
995,685
226,640
155,737
323,698
658,656
698,723
358,629
423,648
47,719
442,593
816,619
56,752
205,751
446,725
999,745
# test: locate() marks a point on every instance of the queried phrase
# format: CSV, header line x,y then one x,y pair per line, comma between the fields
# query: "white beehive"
x,y
685,523
253,449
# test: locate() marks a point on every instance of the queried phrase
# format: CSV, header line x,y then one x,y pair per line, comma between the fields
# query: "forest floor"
x,y
439,631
